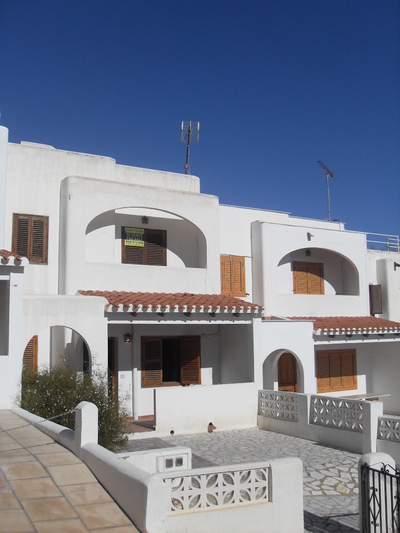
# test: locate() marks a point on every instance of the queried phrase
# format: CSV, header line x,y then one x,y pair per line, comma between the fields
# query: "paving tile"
x,y
3,483
15,456
24,471
15,521
8,501
122,529
85,494
72,525
48,509
46,448
30,489
102,515
71,474
57,459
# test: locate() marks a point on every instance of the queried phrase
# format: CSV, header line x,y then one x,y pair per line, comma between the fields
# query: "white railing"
x,y
380,241
336,413
389,429
208,488
282,405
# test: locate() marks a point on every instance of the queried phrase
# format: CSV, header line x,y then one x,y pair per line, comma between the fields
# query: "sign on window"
x,y
134,237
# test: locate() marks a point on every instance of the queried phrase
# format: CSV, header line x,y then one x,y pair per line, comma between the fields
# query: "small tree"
x,y
49,393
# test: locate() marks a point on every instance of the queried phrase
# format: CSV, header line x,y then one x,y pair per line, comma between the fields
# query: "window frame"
x,y
152,361
147,248
26,241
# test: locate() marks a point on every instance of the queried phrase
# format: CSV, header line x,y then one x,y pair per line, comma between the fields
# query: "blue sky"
x,y
275,84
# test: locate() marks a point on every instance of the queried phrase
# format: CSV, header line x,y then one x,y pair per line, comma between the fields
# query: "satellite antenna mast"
x,y
190,133
329,174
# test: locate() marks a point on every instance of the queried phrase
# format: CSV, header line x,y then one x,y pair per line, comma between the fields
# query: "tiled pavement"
x,y
330,475
46,488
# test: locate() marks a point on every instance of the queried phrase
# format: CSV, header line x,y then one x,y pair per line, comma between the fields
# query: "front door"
x,y
287,373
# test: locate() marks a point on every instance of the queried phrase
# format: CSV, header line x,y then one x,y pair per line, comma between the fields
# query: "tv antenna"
x,y
329,174
190,133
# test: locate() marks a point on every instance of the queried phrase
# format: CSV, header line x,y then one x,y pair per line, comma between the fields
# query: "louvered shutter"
x,y
375,299
30,235
322,372
335,378
308,278
233,279
190,360
151,362
155,244
349,370
300,285
30,358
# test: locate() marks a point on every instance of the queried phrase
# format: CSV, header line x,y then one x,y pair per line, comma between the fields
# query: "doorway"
x,y
287,373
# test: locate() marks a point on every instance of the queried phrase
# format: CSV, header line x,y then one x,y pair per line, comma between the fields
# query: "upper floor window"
x,y
233,281
30,237
308,278
144,246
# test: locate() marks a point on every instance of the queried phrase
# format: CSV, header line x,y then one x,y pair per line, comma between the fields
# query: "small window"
x,y
170,361
30,237
233,279
375,299
308,278
336,371
144,246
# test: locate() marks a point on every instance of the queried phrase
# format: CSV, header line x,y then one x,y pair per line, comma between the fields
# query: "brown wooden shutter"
x,y
151,362
349,370
30,237
30,358
375,299
21,235
190,360
233,278
308,278
335,377
155,246
322,372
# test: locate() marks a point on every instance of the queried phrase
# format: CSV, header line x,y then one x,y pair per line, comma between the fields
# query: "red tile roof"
x,y
352,325
160,302
6,256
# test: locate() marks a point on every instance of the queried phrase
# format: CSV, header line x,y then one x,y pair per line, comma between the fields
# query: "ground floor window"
x,y
336,370
170,360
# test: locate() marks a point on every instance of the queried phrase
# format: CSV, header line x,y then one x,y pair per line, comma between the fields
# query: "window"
x,y
336,371
30,235
233,281
308,278
170,360
144,246
30,359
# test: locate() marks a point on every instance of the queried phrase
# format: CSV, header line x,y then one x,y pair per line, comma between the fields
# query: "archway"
x,y
287,372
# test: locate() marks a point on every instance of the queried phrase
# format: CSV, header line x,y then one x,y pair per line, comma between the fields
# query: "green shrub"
x,y
49,393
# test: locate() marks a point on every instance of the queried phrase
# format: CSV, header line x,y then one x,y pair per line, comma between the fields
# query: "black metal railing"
x,y
380,493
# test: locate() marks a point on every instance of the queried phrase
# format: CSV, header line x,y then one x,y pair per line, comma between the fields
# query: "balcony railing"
x,y
380,241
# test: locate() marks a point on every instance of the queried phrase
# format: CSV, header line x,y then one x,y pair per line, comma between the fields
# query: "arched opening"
x,y
287,372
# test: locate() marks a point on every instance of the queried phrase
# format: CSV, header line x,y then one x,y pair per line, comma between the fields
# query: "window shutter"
x,y
349,370
233,278
308,278
39,240
30,237
300,278
30,358
322,373
375,299
21,236
336,371
151,362
155,247
190,360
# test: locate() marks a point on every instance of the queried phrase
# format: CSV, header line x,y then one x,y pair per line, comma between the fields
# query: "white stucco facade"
x,y
89,199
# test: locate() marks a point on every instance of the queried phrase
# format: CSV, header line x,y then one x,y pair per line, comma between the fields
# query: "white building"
x,y
137,270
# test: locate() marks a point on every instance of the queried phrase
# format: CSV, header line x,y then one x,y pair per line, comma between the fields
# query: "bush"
x,y
49,393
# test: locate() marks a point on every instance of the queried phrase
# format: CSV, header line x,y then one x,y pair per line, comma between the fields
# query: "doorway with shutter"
x,y
287,373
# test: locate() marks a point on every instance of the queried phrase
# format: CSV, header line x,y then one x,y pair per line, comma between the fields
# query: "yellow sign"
x,y
134,237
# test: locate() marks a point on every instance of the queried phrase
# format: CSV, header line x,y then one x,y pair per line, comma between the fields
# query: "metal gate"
x,y
380,493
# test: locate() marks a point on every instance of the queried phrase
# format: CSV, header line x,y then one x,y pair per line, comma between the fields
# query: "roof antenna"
x,y
190,133
329,174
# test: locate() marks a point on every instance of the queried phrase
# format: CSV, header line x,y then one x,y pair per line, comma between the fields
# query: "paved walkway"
x,y
330,475
46,488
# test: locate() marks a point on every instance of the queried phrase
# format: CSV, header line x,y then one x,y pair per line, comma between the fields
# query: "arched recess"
x,y
341,275
270,370
58,345
186,243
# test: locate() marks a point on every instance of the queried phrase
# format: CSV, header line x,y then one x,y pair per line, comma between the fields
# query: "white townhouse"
x,y
191,305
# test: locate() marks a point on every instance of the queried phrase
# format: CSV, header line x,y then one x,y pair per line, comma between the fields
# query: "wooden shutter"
x,y
336,370
30,358
190,360
155,247
30,237
308,278
233,278
375,299
151,362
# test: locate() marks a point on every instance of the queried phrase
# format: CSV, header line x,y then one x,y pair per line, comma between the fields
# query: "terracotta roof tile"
x,y
6,255
173,302
349,325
